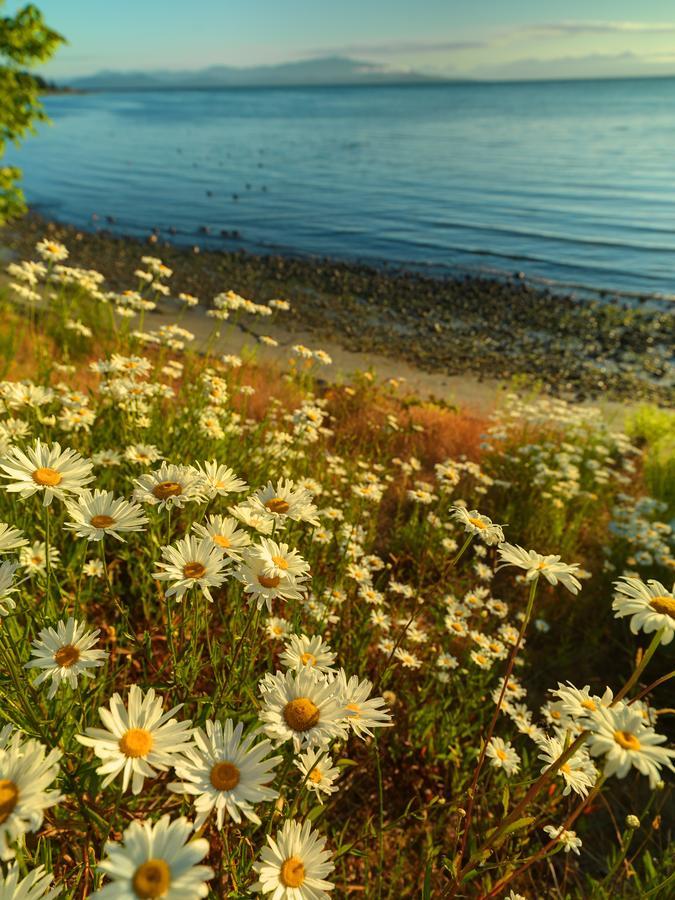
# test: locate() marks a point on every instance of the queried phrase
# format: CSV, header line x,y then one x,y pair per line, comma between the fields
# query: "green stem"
x,y
639,669
495,716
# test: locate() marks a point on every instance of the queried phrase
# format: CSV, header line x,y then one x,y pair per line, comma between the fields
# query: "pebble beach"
x,y
580,348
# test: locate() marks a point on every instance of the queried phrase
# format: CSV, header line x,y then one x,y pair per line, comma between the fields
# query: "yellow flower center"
x,y
301,714
279,562
566,769
269,582
136,742
627,740
456,626
501,754
478,523
151,879
589,704
277,505
194,570
663,605
555,714
277,629
166,489
315,776
221,540
66,656
225,776
354,709
9,797
102,521
292,872
47,477
308,659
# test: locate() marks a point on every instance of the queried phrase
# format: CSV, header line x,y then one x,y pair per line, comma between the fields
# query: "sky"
x,y
500,39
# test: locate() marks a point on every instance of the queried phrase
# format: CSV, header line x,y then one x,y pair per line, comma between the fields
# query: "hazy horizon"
x,y
444,39
440,80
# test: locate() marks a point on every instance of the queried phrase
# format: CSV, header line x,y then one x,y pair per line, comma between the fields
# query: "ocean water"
x,y
570,183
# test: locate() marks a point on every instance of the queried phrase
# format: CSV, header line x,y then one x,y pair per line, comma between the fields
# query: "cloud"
x,y
395,47
572,28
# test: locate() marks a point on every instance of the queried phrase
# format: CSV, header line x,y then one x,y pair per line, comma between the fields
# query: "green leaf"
x,y
426,887
514,826
506,796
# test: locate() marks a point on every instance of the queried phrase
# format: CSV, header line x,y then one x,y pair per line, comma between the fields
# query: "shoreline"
x,y
479,327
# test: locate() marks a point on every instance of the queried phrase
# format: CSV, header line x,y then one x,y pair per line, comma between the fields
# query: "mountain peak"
x,y
324,70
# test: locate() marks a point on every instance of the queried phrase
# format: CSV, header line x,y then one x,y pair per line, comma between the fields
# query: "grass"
x,y
401,592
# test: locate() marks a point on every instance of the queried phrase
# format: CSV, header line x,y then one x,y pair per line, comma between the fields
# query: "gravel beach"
x,y
583,349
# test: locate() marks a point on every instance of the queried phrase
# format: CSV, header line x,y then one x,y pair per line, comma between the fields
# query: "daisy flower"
x,y
302,651
447,661
93,568
252,518
301,708
10,538
51,251
7,570
476,524
503,756
578,773
294,865
99,513
224,532
34,558
408,660
263,587
219,480
138,741
568,839
455,626
65,652
192,562
363,713
620,734
576,703
106,458
318,771
45,468
169,486
143,454
651,606
277,628
280,560
35,886
156,860
227,773
535,565
482,660
285,500
26,772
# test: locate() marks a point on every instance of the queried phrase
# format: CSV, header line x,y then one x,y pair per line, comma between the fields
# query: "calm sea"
x,y
573,183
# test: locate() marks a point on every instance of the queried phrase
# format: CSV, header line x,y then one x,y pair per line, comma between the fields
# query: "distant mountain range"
x,y
329,70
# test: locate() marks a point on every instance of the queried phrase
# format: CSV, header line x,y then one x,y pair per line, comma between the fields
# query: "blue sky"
x,y
483,38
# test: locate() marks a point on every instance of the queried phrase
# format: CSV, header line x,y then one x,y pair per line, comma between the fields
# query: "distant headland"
x,y
331,70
